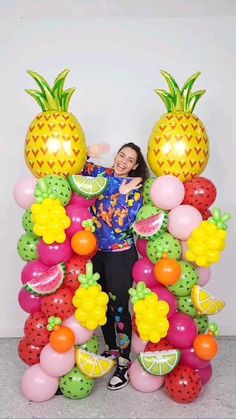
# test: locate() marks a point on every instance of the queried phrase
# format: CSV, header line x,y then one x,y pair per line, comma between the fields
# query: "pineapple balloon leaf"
x,y
89,279
88,225
139,293
220,220
43,191
214,329
53,323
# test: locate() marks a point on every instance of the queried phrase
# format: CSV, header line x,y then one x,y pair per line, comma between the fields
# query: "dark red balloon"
x,y
200,192
134,326
35,329
75,267
206,214
162,345
58,304
28,352
183,384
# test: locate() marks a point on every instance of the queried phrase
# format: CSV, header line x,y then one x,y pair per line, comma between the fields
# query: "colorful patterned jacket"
x,y
113,213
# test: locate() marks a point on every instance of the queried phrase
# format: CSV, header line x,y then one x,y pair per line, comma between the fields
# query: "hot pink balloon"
x,y
183,220
167,192
55,363
143,271
182,331
77,214
142,380
137,344
205,373
29,302
188,357
165,295
52,254
141,246
82,335
81,201
204,276
32,269
24,192
38,386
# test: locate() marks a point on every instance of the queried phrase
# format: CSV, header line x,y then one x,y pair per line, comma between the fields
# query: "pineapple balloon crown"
x,y
180,99
51,98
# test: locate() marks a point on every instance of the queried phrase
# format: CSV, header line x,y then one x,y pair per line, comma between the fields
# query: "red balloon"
x,y
75,267
200,192
183,384
134,326
58,304
28,352
206,214
35,329
162,345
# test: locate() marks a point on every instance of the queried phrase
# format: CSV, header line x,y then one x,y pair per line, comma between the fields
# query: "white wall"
x,y
115,62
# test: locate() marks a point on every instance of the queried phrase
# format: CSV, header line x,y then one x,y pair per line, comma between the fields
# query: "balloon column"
x,y
178,238
58,345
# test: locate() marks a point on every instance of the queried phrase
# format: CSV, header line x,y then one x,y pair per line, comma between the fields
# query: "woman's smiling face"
x,y
125,161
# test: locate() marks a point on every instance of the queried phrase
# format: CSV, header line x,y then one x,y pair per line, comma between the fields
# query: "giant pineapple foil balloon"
x,y
55,142
178,144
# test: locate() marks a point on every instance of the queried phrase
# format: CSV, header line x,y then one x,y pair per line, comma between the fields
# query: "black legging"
x,y
115,269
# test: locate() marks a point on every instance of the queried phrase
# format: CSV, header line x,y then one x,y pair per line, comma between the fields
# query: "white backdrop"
x,y
115,53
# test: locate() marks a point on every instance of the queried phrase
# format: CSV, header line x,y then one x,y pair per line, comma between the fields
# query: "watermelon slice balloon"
x,y
48,282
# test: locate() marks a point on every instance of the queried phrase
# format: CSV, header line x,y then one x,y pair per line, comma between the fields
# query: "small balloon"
x,y
24,192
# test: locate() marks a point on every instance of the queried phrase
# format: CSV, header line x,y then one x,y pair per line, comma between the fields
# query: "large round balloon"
x,y
183,220
200,192
75,267
77,215
183,384
142,380
24,192
143,271
29,302
28,352
58,304
167,192
75,385
182,331
52,254
35,329
32,269
38,386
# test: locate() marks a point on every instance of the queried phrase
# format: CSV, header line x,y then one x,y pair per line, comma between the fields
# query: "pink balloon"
x,y
165,295
143,271
137,344
55,363
167,192
205,373
188,357
141,246
142,380
38,386
32,269
24,192
183,220
82,335
77,214
182,331
81,201
29,302
204,276
52,254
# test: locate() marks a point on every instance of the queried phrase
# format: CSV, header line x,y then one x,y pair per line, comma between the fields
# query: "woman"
x,y
114,213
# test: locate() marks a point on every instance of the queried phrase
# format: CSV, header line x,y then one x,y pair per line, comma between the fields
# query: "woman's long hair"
x,y
142,168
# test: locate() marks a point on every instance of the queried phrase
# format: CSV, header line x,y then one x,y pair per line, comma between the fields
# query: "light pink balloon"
x,y
24,192
141,246
183,220
204,276
167,192
142,380
143,271
38,386
82,335
77,215
137,344
81,201
55,363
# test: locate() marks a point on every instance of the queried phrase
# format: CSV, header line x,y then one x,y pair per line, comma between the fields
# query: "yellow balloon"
x,y
154,336
91,324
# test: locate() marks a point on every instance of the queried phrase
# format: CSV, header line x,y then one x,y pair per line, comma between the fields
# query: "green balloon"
x,y
173,247
56,185
27,223
27,247
189,277
146,190
92,345
185,304
75,385
202,323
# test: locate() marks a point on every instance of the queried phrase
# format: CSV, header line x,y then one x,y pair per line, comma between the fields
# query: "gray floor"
x,y
218,399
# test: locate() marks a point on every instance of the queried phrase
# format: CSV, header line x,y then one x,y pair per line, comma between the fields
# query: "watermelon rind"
x,y
159,362
88,186
49,282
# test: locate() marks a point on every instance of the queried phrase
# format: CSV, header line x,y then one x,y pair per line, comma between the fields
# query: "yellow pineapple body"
x,y
55,144
178,146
